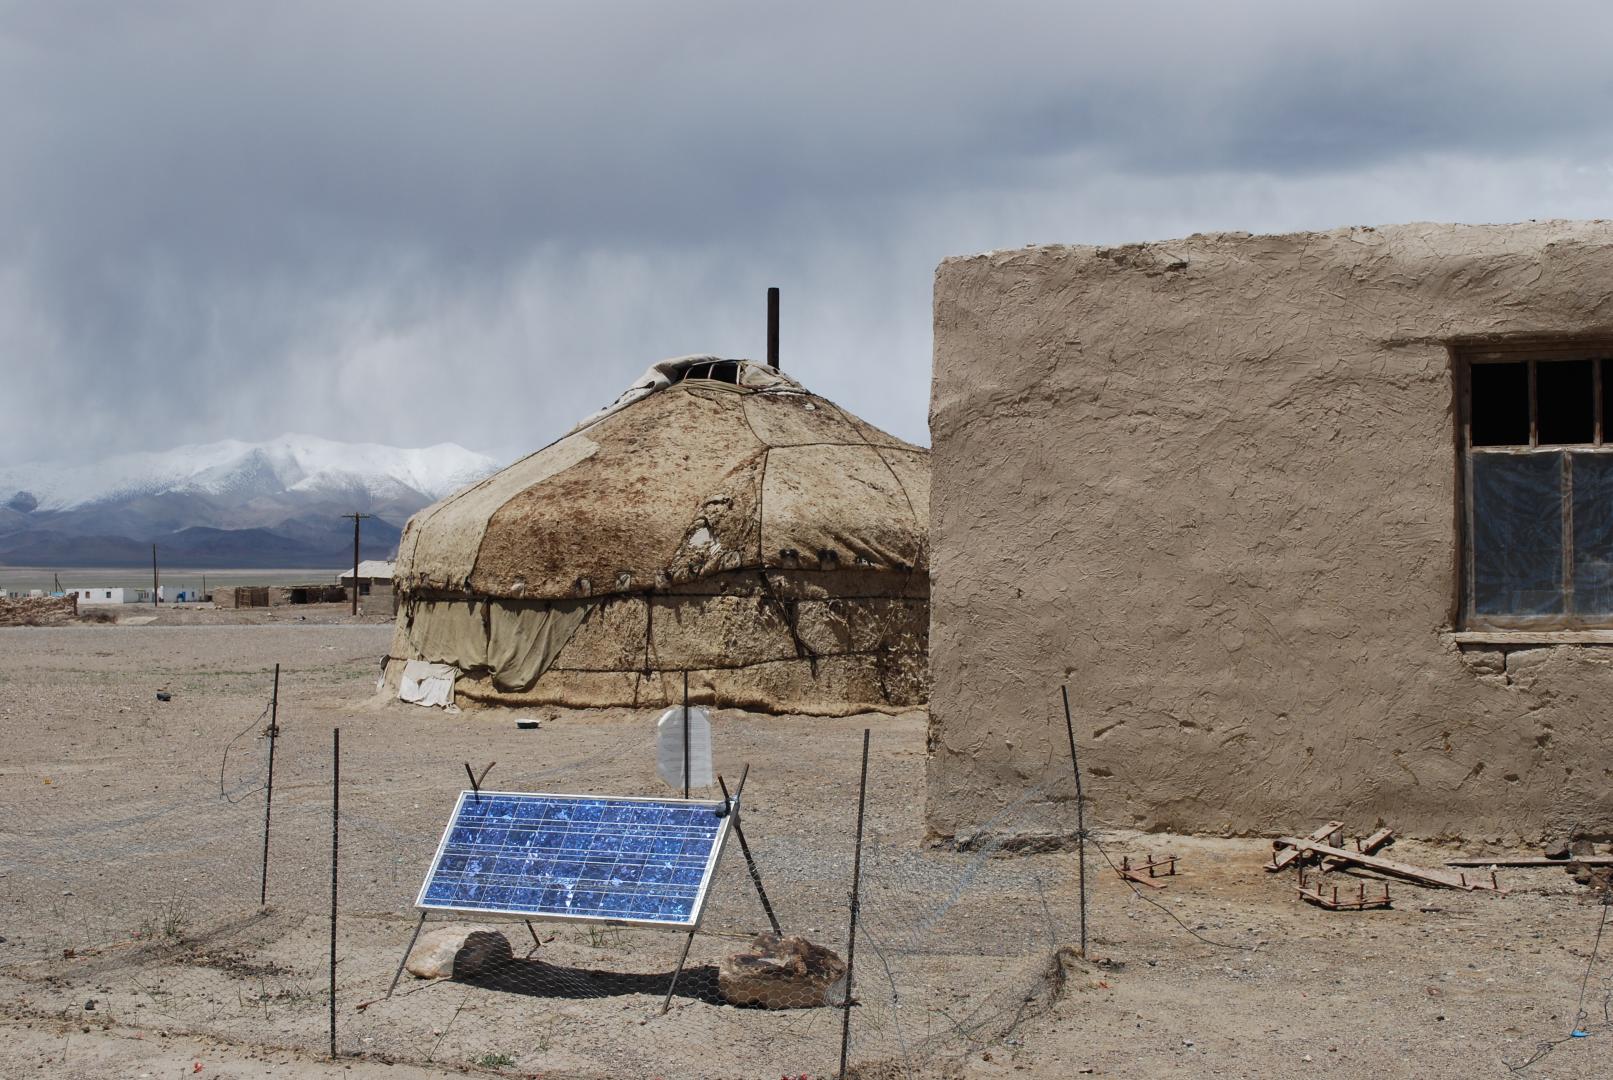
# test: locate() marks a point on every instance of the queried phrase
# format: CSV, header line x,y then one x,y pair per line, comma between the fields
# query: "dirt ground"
x,y
132,943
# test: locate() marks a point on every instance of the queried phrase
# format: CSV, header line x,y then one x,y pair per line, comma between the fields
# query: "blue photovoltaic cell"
x,y
572,856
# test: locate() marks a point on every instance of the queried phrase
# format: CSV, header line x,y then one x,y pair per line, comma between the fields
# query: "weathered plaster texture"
x,y
1212,484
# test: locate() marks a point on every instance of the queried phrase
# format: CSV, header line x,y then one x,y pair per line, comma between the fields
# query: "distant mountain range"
x,y
226,504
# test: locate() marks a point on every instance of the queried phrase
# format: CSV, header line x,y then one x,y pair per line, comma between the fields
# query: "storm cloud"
x,y
476,222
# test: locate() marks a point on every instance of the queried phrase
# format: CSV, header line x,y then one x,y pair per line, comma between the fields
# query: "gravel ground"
x,y
129,877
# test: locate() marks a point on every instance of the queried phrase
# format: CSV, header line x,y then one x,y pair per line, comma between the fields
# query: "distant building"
x,y
313,593
240,596
243,596
88,597
369,572
374,582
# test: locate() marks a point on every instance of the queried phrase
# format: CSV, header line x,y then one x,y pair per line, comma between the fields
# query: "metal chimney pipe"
x,y
772,327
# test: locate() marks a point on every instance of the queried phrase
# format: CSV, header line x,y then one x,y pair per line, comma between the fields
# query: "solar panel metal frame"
x,y
696,912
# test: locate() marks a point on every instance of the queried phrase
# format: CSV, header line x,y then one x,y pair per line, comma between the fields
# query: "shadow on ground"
x,y
534,978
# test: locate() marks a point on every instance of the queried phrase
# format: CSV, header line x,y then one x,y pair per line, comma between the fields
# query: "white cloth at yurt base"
x,y
425,683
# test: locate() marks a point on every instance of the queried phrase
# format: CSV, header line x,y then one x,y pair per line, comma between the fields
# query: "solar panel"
x,y
534,856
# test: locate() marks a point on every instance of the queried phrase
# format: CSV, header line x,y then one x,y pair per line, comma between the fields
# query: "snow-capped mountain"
x,y
239,471
274,503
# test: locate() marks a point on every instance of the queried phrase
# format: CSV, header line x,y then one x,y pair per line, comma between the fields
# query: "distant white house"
x,y
111,596
369,571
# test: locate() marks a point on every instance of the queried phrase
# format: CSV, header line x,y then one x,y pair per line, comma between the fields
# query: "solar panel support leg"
x,y
405,961
673,985
750,862
537,943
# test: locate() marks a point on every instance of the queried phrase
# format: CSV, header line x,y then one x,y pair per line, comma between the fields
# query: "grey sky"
x,y
411,222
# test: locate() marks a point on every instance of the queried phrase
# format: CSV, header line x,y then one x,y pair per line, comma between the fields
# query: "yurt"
x,y
717,522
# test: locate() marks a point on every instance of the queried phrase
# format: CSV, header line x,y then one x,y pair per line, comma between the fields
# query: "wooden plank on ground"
x,y
1369,846
1537,860
1284,852
1143,873
1421,875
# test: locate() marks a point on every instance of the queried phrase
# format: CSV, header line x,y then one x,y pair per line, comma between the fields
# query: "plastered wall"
x,y
1212,484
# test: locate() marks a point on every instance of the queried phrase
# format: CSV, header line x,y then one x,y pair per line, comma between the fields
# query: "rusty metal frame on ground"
x,y
1433,878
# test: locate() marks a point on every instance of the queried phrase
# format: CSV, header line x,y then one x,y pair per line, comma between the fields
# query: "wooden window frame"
x,y
1465,358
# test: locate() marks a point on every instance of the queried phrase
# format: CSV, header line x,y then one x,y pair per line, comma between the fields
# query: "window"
x,y
1538,488
718,370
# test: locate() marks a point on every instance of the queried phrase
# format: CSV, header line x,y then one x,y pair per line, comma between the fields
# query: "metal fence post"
x,y
268,797
1080,820
335,815
856,903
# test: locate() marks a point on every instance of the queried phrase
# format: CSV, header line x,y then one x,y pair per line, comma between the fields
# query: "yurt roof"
x,y
703,466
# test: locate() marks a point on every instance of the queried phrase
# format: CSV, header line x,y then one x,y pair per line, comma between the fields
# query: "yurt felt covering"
x,y
752,534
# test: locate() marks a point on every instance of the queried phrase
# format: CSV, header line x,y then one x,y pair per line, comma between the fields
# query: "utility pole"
x,y
154,588
356,519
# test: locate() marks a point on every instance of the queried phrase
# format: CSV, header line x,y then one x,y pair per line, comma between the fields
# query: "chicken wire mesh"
x,y
145,911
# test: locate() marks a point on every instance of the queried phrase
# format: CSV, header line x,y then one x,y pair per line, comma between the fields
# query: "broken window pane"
x,y
1517,534
1593,534
1565,401
1500,404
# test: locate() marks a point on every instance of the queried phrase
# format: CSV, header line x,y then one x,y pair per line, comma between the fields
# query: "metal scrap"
x,y
1537,860
1144,872
1282,858
1335,901
1442,879
1369,846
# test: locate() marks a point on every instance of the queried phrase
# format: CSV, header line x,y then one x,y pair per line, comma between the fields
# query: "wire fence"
x,y
145,912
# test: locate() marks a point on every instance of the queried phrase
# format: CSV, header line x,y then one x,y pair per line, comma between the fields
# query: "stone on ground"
x,y
462,952
782,973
